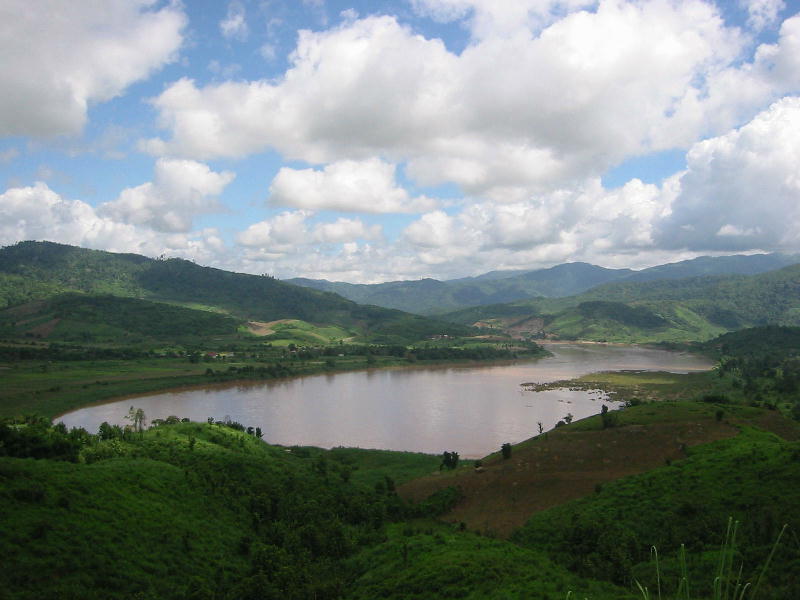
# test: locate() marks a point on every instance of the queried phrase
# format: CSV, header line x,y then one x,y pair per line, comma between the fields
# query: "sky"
x,y
369,141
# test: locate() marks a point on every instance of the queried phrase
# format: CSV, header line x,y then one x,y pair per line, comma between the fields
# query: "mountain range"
x,y
693,308
431,296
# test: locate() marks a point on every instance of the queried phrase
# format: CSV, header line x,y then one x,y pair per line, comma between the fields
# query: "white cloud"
x,y
488,18
762,13
61,57
741,190
39,213
234,25
278,235
584,223
512,114
180,190
362,186
290,233
344,231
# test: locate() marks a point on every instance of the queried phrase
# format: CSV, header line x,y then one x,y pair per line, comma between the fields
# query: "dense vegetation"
x,y
697,308
39,270
110,319
429,296
188,510
752,478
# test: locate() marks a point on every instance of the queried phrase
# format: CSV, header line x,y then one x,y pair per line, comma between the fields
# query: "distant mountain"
x,y
41,270
738,264
430,296
695,308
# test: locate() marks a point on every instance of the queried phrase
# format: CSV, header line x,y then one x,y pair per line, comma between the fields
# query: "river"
x,y
468,409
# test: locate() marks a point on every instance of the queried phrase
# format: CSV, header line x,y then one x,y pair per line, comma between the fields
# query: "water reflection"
x,y
472,409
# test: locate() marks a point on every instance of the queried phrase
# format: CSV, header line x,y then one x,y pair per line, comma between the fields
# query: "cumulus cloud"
x,y
570,224
360,186
290,233
61,57
513,113
490,18
278,235
343,231
234,25
180,191
762,13
740,191
38,213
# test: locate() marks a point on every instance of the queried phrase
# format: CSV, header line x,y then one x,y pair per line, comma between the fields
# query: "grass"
x,y
423,560
753,477
727,584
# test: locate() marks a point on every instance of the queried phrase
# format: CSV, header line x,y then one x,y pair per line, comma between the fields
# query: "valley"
x,y
568,502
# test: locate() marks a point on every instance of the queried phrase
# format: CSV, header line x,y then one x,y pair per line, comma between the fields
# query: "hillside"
x,y
430,296
38,270
696,308
85,318
189,510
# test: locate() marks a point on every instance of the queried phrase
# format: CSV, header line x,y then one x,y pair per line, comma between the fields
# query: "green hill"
x,y
85,318
190,510
429,296
39,270
696,308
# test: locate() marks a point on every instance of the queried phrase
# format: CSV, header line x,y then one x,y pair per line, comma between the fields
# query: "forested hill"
x,y
695,308
430,296
37,270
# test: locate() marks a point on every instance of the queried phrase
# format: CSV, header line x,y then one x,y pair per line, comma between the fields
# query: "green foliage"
x,y
505,450
450,460
432,562
183,507
754,478
83,318
696,308
49,268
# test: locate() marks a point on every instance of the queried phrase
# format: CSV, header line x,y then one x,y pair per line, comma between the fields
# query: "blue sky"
x,y
370,141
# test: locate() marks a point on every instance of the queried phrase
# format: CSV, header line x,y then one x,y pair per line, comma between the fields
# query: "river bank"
x,y
470,408
54,388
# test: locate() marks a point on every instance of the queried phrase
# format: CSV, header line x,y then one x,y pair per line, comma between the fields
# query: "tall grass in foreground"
x,y
728,584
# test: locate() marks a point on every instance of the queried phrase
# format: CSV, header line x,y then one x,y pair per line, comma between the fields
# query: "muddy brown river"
x,y
469,409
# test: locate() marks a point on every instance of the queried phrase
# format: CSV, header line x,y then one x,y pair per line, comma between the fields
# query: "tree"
x,y
541,427
506,450
449,460
137,418
608,419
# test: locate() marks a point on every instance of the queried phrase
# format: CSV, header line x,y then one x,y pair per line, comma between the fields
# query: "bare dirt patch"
x,y
45,329
561,466
265,328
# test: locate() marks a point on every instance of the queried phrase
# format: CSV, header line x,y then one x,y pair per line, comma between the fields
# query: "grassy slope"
x,y
753,478
227,516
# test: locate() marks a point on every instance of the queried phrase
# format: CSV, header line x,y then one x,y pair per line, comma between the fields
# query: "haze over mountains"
x,y
430,296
